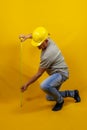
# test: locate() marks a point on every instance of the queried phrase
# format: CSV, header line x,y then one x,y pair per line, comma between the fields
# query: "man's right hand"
x,y
23,88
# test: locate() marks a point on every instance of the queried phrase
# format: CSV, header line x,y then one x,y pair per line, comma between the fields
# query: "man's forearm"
x,y
29,36
33,79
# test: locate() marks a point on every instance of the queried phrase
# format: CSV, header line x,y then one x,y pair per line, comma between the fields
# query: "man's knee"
x,y
44,87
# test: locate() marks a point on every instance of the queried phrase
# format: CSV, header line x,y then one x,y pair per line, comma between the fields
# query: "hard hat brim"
x,y
37,43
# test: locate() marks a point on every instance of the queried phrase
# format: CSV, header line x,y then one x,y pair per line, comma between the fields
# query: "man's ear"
x,y
46,40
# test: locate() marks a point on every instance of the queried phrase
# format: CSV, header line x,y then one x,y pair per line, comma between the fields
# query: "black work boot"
x,y
76,96
58,106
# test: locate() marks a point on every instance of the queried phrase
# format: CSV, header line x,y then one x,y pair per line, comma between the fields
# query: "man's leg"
x,y
68,93
49,86
71,93
50,98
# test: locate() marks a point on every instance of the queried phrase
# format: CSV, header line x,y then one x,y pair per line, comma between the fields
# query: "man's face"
x,y
43,45
39,47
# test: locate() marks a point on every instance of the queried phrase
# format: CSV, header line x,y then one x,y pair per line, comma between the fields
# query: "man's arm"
x,y
23,37
33,79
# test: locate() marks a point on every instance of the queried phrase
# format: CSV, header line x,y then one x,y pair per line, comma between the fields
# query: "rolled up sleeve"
x,y
45,63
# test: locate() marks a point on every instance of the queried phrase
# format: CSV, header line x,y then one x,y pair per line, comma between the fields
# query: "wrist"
x,y
29,36
27,85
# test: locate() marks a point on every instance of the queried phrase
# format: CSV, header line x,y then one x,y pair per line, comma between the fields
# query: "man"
x,y
53,63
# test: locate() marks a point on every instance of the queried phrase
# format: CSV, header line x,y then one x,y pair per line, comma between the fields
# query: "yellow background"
x,y
67,23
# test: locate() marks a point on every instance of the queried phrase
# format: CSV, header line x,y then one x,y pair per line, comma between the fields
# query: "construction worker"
x,y
51,61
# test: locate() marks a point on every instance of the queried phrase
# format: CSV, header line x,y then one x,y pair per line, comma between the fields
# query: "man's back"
x,y
52,59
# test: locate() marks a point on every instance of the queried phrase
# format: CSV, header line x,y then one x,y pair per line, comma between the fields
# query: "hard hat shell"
x,y
38,36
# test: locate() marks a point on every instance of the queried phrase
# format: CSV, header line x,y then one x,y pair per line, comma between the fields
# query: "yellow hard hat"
x,y
38,36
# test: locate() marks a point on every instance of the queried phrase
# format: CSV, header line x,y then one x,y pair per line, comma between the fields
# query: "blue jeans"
x,y
52,85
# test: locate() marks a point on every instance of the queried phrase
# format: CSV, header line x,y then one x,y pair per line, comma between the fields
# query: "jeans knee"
x,y
43,87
